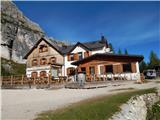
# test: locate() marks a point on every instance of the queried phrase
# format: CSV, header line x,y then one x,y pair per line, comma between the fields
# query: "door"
x,y
54,72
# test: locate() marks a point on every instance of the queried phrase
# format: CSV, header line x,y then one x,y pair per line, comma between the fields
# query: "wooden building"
x,y
43,59
94,58
107,65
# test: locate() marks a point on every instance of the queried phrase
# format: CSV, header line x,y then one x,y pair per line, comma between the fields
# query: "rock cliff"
x,y
18,33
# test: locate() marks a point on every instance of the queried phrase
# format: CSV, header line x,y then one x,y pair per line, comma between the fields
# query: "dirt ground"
x,y
25,104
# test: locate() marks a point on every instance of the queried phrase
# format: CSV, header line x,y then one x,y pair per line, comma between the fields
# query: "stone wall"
x,y
136,107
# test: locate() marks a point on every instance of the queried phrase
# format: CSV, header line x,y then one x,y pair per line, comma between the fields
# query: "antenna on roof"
x,y
101,34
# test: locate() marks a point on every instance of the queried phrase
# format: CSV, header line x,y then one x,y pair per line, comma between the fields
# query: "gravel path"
x,y
27,103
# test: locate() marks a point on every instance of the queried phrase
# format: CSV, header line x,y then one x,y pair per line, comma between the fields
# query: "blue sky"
x,y
131,25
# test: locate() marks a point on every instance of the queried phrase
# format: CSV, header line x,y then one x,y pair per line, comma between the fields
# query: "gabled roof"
x,y
106,56
90,46
51,43
95,45
79,44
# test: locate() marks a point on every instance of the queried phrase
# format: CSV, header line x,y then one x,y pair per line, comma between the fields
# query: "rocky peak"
x,y
18,33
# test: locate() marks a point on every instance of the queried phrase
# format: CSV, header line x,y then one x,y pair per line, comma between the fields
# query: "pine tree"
x,y
119,51
111,47
154,60
142,66
126,52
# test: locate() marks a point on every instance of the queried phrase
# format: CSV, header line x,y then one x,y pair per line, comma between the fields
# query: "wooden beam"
x,y
11,80
22,79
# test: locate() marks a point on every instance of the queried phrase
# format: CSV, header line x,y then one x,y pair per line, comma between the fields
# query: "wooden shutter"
x,y
87,70
117,68
120,68
102,70
75,56
133,67
68,57
68,71
114,68
79,69
85,54
34,74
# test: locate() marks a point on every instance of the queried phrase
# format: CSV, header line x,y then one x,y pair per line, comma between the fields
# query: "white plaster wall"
x,y
78,49
137,67
104,50
129,76
67,63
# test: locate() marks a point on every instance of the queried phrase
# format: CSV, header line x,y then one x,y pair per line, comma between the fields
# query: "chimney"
x,y
104,40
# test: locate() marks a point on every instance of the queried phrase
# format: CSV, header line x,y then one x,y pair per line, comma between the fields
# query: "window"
x,y
71,71
127,68
109,68
52,60
43,48
83,69
34,62
43,74
86,54
92,70
80,57
71,57
43,61
55,72
34,74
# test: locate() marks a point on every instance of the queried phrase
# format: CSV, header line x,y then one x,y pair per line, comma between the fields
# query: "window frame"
x,y
71,71
41,50
33,62
34,76
90,72
80,53
44,75
41,62
127,70
110,69
50,60
71,58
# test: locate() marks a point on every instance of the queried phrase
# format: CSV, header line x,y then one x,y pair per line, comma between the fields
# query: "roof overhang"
x,y
110,56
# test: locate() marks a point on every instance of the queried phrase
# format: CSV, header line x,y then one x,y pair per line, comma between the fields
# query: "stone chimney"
x,y
104,40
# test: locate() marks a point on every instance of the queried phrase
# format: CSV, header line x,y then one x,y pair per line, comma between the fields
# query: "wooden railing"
x,y
23,80
119,76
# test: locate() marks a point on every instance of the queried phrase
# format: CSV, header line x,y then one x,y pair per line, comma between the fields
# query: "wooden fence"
x,y
23,80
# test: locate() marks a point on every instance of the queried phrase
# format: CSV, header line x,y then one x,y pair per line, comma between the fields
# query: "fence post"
x,y
1,81
22,79
34,81
48,80
11,80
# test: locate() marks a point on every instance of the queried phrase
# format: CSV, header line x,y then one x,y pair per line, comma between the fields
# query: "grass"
x,y
154,113
16,68
100,108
